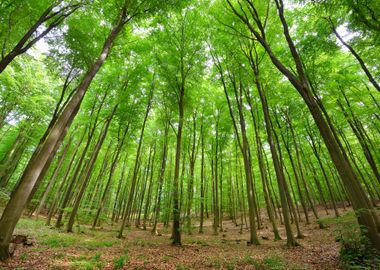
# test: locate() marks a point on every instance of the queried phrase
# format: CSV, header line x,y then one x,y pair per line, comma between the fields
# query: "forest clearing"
x,y
190,134
140,249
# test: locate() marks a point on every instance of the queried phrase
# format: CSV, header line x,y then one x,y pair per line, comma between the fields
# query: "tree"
x,y
51,143
301,83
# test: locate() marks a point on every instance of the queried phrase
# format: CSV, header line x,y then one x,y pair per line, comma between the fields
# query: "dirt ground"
x,y
100,249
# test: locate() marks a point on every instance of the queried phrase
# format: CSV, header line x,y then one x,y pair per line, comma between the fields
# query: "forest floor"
x,y
100,249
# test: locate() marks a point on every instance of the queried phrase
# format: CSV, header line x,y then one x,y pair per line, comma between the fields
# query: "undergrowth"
x,y
356,251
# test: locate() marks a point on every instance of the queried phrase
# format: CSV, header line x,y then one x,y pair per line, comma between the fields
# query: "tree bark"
x,y
136,167
115,160
161,178
16,204
53,178
302,85
88,170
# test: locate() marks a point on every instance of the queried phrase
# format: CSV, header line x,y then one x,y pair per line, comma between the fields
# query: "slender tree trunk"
x,y
357,129
202,180
88,170
116,209
300,193
221,191
150,187
63,182
176,234
328,184
140,202
190,192
53,177
16,204
128,206
12,158
276,162
94,196
302,84
161,178
262,169
244,147
115,161
79,170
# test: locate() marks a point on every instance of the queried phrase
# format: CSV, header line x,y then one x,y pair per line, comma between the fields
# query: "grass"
x,y
214,262
180,266
199,242
94,244
165,259
274,263
122,260
118,262
139,242
67,248
24,256
355,249
54,238
249,260
88,263
58,256
269,263
59,240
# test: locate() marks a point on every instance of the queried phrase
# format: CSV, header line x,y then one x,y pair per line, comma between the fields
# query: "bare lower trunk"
x,y
176,233
161,179
53,178
108,185
17,203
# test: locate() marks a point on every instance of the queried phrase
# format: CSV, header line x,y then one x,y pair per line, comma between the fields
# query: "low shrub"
x,y
356,251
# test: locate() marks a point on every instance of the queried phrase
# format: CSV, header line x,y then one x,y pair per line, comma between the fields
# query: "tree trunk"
x,y
176,233
53,178
302,84
136,167
190,191
161,178
115,160
202,180
16,204
148,200
63,182
88,170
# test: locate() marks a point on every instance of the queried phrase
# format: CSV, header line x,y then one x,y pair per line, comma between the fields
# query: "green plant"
x,y
355,249
230,265
95,244
139,242
59,240
58,256
97,261
274,263
23,256
321,224
215,262
165,259
86,263
179,266
250,261
119,262
82,265
200,242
